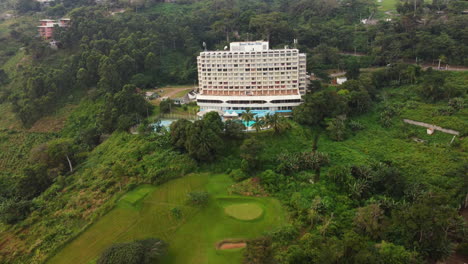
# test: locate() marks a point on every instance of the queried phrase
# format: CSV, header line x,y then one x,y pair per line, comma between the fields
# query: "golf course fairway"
x,y
192,237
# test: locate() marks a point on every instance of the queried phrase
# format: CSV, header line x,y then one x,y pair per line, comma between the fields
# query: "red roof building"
x,y
46,29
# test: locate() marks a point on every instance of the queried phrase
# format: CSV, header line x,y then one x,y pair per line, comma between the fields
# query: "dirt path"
x,y
170,92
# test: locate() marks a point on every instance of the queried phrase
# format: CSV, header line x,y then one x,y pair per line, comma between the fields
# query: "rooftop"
x,y
249,46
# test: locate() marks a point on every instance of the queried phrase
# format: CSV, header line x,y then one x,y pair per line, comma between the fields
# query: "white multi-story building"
x,y
250,75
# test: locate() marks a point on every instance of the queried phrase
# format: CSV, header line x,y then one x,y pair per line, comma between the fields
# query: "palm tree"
x,y
442,59
247,116
258,123
276,122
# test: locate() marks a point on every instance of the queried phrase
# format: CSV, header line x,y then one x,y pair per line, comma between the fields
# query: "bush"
x,y
258,251
12,211
165,106
138,252
284,234
131,186
462,249
387,114
198,198
458,103
238,175
355,125
336,128
176,212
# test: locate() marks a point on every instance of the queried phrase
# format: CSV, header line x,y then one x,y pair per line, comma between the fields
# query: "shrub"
x,y
258,251
284,234
462,249
445,110
290,163
355,125
238,175
458,103
131,186
12,211
387,115
336,128
199,198
138,252
176,212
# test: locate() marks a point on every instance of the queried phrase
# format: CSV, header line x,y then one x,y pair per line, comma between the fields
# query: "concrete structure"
x,y
46,29
250,75
341,80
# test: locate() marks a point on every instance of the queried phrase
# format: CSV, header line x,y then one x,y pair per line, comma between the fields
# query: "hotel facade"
x,y
251,76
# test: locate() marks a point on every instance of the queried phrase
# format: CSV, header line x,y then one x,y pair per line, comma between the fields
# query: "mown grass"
x,y
182,93
387,5
135,196
244,211
192,238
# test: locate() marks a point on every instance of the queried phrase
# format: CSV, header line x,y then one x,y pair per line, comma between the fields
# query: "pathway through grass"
x,y
146,212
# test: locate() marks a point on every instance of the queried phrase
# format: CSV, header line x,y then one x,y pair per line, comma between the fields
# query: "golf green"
x,y
244,211
192,236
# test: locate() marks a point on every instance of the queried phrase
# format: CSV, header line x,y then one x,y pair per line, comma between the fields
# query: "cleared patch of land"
x,y
171,92
146,212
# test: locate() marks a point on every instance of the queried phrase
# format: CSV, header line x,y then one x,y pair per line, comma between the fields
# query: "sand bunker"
x,y
230,244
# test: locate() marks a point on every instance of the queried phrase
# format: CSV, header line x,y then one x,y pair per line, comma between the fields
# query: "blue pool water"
x,y
167,123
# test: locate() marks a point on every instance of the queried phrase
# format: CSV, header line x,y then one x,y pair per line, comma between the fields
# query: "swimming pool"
x,y
166,123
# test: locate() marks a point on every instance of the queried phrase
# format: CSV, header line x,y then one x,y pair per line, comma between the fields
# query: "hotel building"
x,y
250,75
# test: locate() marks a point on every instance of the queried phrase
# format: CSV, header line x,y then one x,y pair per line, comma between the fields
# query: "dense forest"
x,y
359,185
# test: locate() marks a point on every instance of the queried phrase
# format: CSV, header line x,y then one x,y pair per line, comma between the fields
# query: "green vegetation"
x,y
138,252
351,175
152,216
74,200
15,147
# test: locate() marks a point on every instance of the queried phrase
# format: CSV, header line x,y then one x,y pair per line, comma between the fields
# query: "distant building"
x,y
251,76
46,29
192,95
369,21
45,2
341,80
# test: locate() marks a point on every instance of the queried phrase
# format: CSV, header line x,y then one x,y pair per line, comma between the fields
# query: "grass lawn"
x,y
146,212
387,5
182,93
